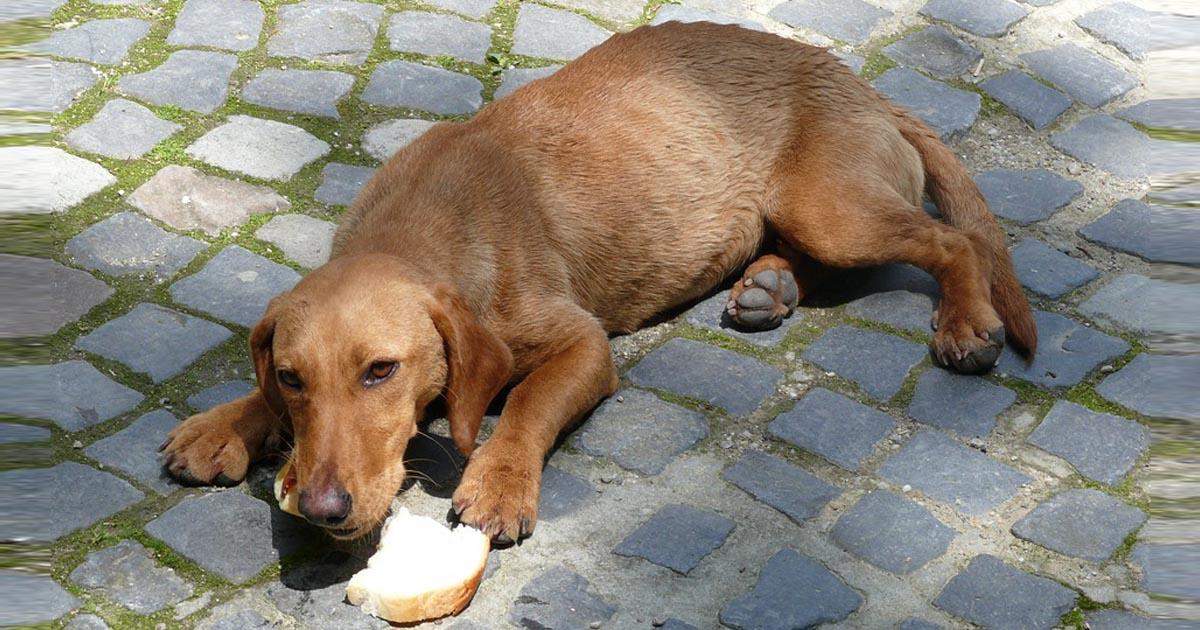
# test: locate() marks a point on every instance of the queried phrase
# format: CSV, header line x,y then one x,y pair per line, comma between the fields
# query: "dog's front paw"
x,y
499,494
207,449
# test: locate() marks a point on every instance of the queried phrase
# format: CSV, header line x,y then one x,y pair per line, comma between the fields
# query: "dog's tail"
x,y
961,203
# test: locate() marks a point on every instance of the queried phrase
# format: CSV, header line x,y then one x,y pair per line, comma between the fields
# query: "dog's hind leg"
x,y
218,446
771,288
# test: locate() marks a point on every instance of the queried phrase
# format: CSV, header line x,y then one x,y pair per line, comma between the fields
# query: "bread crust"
x,y
424,607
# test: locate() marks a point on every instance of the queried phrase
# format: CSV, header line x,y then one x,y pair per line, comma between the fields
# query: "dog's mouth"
x,y
345,533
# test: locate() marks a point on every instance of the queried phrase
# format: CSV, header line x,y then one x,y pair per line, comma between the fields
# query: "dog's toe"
x,y
762,301
974,357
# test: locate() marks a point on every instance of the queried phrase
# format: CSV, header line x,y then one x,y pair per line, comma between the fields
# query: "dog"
x,y
505,250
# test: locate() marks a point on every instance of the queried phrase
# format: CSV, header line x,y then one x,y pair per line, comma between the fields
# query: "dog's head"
x,y
352,356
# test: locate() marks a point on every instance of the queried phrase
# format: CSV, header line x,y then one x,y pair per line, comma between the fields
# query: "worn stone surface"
x,y
1083,523
1101,446
103,42
514,78
1107,143
613,10
851,21
949,111
1156,385
562,494
235,286
86,622
127,244
989,18
953,474
966,405
341,183
680,13
437,34
315,592
1155,233
1136,31
1031,100
386,138
134,450
328,31
124,339
993,594
725,379
1026,196
936,51
1047,271
46,179
641,432
32,599
876,362
835,427
1169,569
195,80
897,295
123,130
917,624
470,8
187,199
1086,76
554,33
48,503
315,92
711,314
406,84
1146,305
72,394
1067,352
22,433
792,591
42,296
226,24
1166,113
26,80
126,573
260,148
559,598
302,238
781,485
677,537
891,532
219,394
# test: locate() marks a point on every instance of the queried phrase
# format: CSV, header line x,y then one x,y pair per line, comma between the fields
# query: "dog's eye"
x,y
289,378
379,372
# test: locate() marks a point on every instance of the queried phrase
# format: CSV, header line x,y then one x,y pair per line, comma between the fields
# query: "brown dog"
x,y
506,249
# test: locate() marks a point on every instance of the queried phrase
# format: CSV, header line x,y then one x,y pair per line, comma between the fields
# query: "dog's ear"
x,y
261,351
479,365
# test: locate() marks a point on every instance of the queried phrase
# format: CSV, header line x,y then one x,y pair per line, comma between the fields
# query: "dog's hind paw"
x,y
762,298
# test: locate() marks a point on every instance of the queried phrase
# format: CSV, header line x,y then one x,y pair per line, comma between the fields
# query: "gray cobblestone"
x,y
48,179
679,13
1166,113
123,130
877,362
470,8
235,286
1047,271
386,138
33,599
126,244
226,24
677,537
59,500
966,405
1154,233
1026,196
936,51
405,84
1067,352
1086,76
553,33
989,18
852,21
1106,143
315,92
315,593
953,474
104,42
1034,102
781,485
725,379
29,9
1140,304
186,199
562,494
259,148
1101,446
195,80
127,574
341,183
641,432
134,450
436,34
835,427
514,78
891,532
897,295
73,394
949,111
1169,569
86,622
43,296
219,394
302,238
996,595
1156,385
1083,523
22,433
124,339
792,592
559,599
328,31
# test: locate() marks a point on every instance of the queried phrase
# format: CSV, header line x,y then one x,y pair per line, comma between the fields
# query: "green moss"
x,y
875,65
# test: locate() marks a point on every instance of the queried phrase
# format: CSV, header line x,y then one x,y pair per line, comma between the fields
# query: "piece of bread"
x,y
422,570
284,482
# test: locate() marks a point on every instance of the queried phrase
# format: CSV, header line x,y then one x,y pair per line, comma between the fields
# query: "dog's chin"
x,y
347,533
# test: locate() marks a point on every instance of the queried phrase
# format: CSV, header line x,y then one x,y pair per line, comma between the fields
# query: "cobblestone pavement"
x,y
169,165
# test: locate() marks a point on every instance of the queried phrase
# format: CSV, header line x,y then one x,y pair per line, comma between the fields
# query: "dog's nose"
x,y
327,506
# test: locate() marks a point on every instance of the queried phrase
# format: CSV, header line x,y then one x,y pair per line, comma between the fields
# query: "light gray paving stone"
x,y
781,485
134,451
680,13
613,10
725,379
554,33
187,199
86,622
951,473
122,130
302,238
562,494
341,183
1169,569
891,532
1109,619
1136,31
126,573
103,42
53,502
851,21
837,428
328,31
966,405
559,598
1082,523
41,180
1047,271
471,8
1086,76
1107,143
126,339
640,431
1026,196
23,9
225,24
383,140
266,149
897,295
25,82
73,394
851,60
1166,113
1101,446
234,286
936,51
195,80
1154,233
513,78
22,433
201,527
42,296
1146,305
995,595
437,34
950,111
1035,103
989,18
314,593
219,394
400,83
126,244
792,591
677,537
875,361
315,92
32,599
917,624
710,314
1067,352
1156,385
233,615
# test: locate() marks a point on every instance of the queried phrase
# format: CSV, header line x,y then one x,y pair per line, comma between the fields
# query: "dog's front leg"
x,y
218,446
499,489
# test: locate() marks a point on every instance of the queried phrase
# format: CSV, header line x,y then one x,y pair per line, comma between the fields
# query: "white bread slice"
x,y
284,482
421,571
